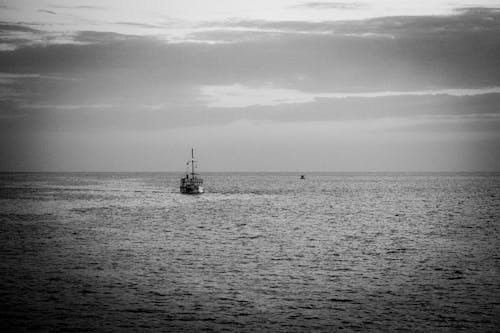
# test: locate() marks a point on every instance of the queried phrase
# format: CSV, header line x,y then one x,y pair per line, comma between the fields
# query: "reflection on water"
x,y
369,252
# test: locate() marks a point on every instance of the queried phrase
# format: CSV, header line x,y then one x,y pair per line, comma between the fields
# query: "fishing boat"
x,y
191,183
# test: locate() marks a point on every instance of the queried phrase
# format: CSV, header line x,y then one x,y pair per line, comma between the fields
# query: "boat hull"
x,y
192,189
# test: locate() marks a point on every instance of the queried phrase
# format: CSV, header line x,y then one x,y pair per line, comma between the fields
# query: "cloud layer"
x,y
417,76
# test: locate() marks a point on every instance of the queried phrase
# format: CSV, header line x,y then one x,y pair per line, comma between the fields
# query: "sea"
x,y
258,252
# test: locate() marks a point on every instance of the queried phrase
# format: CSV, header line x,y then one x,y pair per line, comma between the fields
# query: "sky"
x,y
262,85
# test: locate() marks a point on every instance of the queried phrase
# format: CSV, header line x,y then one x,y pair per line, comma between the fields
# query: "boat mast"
x,y
192,162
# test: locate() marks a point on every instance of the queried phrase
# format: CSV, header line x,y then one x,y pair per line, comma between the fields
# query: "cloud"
x,y
26,87
235,96
471,112
99,37
301,62
69,106
17,35
79,7
11,77
130,72
331,5
139,24
6,27
148,83
47,11
366,109
465,20
13,35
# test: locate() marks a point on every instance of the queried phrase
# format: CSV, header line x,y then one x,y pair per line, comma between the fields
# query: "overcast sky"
x,y
262,85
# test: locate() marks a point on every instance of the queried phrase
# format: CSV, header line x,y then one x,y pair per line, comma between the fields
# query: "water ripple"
x,y
257,252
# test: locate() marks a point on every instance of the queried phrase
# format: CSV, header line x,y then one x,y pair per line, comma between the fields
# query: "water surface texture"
x,y
257,252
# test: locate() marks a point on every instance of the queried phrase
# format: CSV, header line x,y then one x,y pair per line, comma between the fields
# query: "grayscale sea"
x,y
125,252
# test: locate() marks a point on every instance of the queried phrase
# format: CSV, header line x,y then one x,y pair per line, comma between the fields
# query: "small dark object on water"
x,y
302,176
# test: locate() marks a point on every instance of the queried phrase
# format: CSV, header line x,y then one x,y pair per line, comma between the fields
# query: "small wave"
x,y
341,300
251,236
143,310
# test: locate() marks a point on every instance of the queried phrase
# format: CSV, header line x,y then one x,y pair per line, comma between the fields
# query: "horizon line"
x,y
247,171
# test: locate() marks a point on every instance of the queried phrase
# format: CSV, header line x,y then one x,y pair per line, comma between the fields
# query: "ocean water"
x,y
258,252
